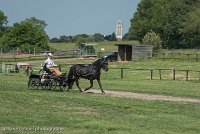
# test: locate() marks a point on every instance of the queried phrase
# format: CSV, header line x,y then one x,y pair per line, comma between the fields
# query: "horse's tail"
x,y
71,79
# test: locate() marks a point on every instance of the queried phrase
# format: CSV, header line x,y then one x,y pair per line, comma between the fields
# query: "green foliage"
x,y
174,18
80,40
87,48
3,23
25,36
111,37
98,37
191,30
166,17
151,38
37,23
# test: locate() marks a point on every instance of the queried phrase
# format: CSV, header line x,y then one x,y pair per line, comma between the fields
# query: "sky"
x,y
72,17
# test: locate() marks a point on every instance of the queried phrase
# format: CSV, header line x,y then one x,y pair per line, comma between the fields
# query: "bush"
x,y
151,38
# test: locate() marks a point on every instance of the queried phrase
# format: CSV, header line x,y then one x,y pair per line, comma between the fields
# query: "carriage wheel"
x,y
53,84
33,83
47,84
62,86
43,86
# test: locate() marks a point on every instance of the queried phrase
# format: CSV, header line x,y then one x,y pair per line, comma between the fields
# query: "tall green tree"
x,y
191,30
174,17
164,17
36,22
98,37
3,23
24,36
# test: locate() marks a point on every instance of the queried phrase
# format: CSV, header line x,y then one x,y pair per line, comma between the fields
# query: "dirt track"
x,y
123,94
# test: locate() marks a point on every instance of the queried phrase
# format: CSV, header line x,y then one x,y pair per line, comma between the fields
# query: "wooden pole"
x,y
151,74
199,76
122,73
34,51
174,74
160,74
187,75
197,57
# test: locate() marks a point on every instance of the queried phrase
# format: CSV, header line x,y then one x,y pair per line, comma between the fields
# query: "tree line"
x,y
26,35
177,22
171,24
30,34
82,38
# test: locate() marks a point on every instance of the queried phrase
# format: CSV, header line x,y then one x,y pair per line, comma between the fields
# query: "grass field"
x,y
108,46
87,113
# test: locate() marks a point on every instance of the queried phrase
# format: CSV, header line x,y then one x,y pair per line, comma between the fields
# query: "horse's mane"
x,y
96,62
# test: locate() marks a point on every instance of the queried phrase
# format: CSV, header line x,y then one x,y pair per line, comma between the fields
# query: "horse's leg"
x,y
91,85
77,84
99,82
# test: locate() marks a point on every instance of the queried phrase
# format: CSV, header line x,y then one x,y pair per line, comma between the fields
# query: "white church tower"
x,y
119,30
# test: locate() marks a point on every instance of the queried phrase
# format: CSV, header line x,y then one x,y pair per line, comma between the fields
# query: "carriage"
x,y
77,71
47,81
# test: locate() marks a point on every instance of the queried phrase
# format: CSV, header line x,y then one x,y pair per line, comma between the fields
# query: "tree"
x,y
174,17
80,40
3,23
98,37
36,22
151,38
191,30
164,17
126,36
25,36
111,37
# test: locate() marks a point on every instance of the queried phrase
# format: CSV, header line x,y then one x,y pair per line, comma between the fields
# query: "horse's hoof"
x,y
80,91
103,92
85,89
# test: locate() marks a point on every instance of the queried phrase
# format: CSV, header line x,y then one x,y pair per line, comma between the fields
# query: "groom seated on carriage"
x,y
49,66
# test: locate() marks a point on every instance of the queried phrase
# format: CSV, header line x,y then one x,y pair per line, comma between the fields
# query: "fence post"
x,y
187,75
199,75
3,68
174,74
163,56
160,74
197,57
122,73
151,74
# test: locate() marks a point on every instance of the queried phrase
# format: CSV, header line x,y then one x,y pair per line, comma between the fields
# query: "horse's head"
x,y
101,63
104,65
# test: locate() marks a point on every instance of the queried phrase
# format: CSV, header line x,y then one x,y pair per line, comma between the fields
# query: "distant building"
x,y
119,30
132,52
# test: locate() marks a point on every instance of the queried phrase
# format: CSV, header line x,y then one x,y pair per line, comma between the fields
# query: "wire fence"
x,y
177,56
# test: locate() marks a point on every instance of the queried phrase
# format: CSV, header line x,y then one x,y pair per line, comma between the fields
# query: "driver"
x,y
50,65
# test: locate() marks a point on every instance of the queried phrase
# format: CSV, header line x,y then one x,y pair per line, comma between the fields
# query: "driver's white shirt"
x,y
49,62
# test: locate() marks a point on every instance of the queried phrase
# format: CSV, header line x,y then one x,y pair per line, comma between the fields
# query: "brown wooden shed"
x,y
131,52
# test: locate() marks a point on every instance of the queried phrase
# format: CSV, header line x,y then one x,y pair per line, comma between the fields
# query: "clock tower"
x,y
119,30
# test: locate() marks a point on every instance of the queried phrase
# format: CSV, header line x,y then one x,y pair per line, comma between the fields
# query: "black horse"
x,y
87,71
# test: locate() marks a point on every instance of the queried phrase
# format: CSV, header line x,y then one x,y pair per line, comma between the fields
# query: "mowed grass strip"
x,y
91,113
